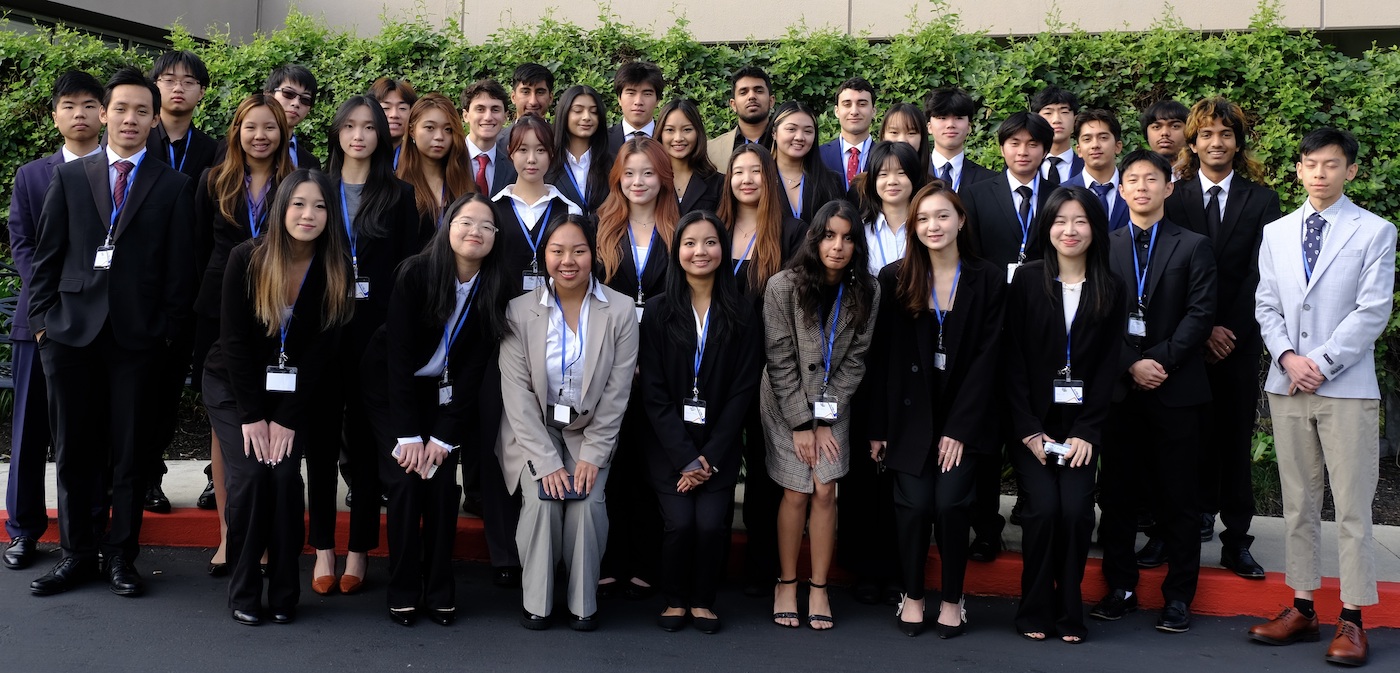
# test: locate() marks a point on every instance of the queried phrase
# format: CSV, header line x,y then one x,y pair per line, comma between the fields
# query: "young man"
x,y
639,86
112,277
855,110
76,103
1164,127
1100,139
483,113
1218,196
1326,274
1152,442
295,88
752,101
1057,106
949,111
531,92
182,78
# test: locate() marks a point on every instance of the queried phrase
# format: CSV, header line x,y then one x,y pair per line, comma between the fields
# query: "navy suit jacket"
x,y
31,182
830,153
1116,219
972,173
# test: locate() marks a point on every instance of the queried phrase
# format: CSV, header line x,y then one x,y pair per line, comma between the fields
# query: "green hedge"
x,y
1290,81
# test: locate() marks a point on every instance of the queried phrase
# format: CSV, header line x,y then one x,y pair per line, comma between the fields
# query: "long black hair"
x,y
381,190
725,295
810,272
871,205
1097,298
599,160
441,262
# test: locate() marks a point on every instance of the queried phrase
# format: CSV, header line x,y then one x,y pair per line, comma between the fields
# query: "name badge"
x,y
281,379
362,288
693,411
444,393
561,415
103,260
1069,392
1011,271
940,360
531,280
826,409
1137,325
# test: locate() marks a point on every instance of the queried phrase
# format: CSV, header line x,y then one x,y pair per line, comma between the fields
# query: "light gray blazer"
x,y
1335,318
610,357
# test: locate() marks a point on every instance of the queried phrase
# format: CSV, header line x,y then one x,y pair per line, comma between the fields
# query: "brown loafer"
x,y
1290,626
323,585
1349,646
350,584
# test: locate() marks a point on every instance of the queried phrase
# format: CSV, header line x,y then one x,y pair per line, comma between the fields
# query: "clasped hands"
x,y
556,483
811,445
419,457
267,441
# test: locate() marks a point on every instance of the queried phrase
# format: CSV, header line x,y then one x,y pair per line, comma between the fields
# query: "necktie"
x,y
639,134
1213,212
1052,176
1102,191
946,174
852,164
481,184
1312,242
119,189
1025,208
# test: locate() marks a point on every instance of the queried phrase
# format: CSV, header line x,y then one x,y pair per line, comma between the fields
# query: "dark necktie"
x,y
639,134
1213,212
1024,211
481,160
1312,243
1102,191
852,164
946,174
119,189
1052,176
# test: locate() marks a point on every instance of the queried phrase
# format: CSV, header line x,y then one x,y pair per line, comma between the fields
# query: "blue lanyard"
x,y
1069,332
830,339
450,338
287,324
640,264
745,256
938,311
170,148
349,232
255,208
796,206
699,354
1030,217
569,173
126,197
880,242
564,337
531,241
396,157
1141,273
864,148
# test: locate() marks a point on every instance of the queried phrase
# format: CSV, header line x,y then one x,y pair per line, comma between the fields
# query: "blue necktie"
x,y
1312,243
946,174
1102,191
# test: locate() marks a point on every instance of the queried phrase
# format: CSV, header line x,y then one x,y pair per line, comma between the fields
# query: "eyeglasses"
x,y
185,82
290,94
472,225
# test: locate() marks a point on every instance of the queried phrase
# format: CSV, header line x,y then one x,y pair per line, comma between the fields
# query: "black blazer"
x,y
1236,250
909,404
794,230
244,350
597,189
1033,353
150,286
379,259
214,238
31,182
729,373
624,280
992,215
199,150
702,193
972,173
817,190
511,234
1180,310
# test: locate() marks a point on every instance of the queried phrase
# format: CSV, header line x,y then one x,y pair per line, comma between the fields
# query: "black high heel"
x,y
945,632
910,629
814,619
786,615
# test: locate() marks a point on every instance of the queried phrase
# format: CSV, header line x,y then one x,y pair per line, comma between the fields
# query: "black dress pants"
x,y
343,425
634,517
865,523
1057,523
761,499
422,530
923,500
170,367
694,544
1227,485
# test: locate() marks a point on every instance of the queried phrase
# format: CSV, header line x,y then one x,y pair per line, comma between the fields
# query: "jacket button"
x,y
907,402
914,368
584,412
1305,335
1307,307
811,368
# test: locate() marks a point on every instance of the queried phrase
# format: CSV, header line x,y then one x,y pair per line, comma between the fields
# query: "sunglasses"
x,y
290,94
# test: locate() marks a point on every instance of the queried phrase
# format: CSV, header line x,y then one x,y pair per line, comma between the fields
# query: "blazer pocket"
x,y
70,285
1348,253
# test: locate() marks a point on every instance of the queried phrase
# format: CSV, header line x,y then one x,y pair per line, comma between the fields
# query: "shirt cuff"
x,y
445,446
410,440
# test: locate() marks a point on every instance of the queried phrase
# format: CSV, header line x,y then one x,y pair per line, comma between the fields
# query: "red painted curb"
x,y
1219,591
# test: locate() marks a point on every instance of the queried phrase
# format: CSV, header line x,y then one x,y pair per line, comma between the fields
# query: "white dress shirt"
x,y
628,130
578,167
937,160
1066,162
531,213
566,383
473,151
885,246
69,156
1206,184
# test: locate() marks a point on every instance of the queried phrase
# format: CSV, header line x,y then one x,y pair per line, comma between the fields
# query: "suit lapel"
x,y
595,331
693,189
1341,232
96,167
1007,206
145,180
1195,209
1161,255
537,350
1124,252
1234,206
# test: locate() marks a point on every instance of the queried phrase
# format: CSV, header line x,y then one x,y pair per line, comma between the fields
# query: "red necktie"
x,y
852,164
119,189
481,160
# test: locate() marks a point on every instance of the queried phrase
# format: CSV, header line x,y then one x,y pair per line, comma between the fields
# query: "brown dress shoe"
x,y
1349,646
350,584
1290,626
323,585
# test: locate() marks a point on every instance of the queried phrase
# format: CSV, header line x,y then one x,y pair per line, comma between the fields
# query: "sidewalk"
x,y
1220,592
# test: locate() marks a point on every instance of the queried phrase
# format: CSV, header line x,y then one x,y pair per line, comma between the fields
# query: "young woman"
x,y
1064,317
526,207
807,184
635,227
382,226
566,372
581,163
817,317
285,297
893,177
935,350
231,206
906,123
700,362
434,156
696,182
396,97
423,375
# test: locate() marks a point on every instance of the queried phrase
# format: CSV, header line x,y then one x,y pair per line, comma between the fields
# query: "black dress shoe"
x,y
589,623
284,616
1152,554
403,616
1145,522
471,505
706,625
1242,563
533,621
206,498
983,550
218,569
507,577
247,618
155,500
21,552
671,623
1015,517
1175,618
1113,606
443,616
1207,527
348,494
68,574
125,579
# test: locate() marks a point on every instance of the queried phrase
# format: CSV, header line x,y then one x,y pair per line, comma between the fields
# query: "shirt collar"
x,y
1206,184
473,150
594,288
1090,182
580,163
863,146
69,156
628,129
1333,212
509,192
937,159
1011,180
135,159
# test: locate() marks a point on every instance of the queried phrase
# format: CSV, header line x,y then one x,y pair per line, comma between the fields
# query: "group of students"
x,y
568,309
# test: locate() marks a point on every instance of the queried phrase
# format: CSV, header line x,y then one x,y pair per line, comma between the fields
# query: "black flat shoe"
x,y
1175,618
945,632
671,623
403,616
284,616
706,625
533,621
983,550
246,618
607,591
1152,554
20,553
206,498
1207,527
1112,607
589,623
218,569
910,629
442,616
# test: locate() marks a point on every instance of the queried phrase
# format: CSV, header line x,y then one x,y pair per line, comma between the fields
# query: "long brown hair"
x,y
914,280
269,267
1206,112
613,220
226,179
768,249
456,171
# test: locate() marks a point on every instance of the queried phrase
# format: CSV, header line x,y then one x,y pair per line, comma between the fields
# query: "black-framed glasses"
x,y
290,94
186,82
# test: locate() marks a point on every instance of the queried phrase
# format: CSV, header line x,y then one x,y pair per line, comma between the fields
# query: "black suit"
x,y
1153,435
597,189
702,193
818,189
1226,483
97,366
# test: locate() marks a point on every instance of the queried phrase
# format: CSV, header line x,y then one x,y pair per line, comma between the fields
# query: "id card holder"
x,y
560,415
444,392
940,360
1011,271
531,280
693,411
639,307
361,287
1137,324
281,379
103,260
826,408
1069,391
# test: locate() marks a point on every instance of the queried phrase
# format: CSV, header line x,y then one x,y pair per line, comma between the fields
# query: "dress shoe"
x,y
983,550
471,505
124,578
68,574
284,616
206,498
1145,522
671,623
1152,554
403,616
1112,607
443,616
1015,518
21,552
637,592
1290,626
155,500
1349,647
1207,527
589,623
247,618
1175,618
507,577
945,632
910,629
533,621
218,569
349,584
706,625
1242,562
323,585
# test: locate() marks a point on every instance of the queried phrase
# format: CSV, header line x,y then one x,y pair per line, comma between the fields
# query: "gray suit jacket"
x,y
1335,317
610,357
